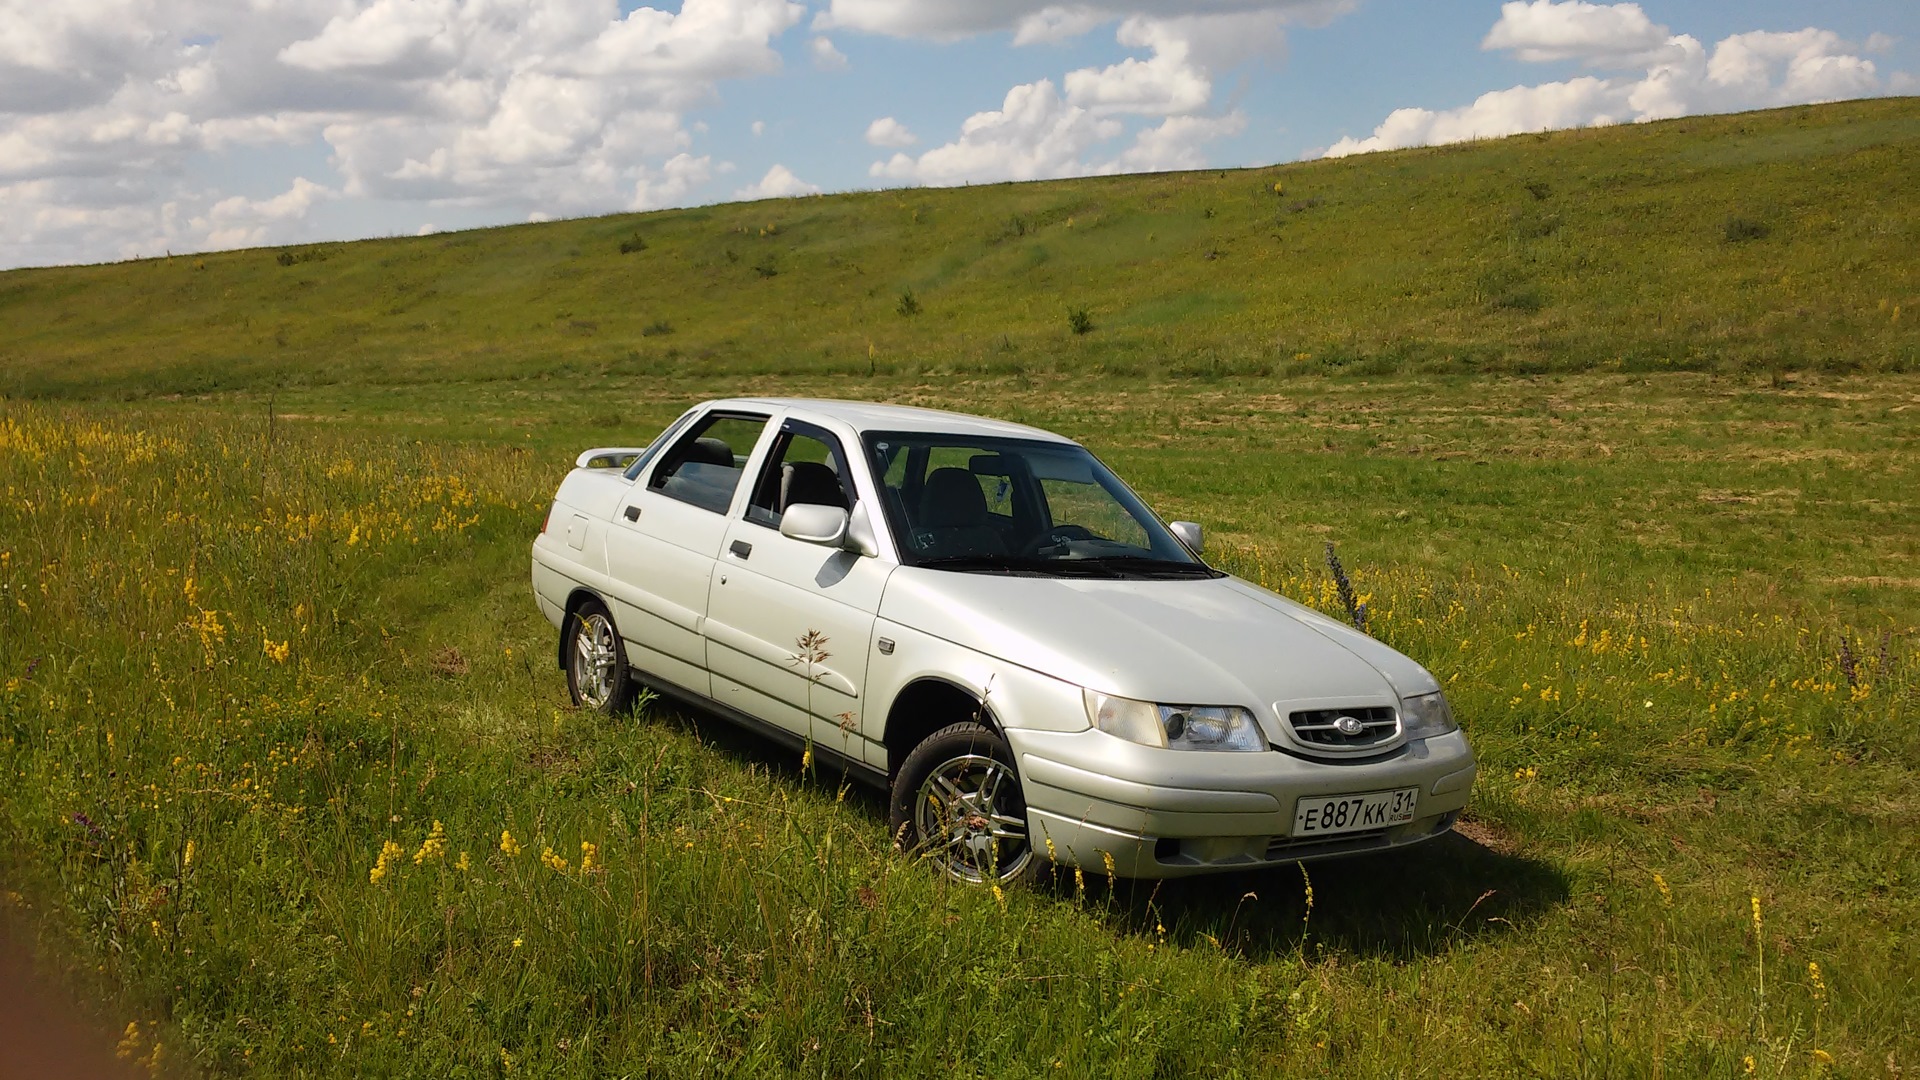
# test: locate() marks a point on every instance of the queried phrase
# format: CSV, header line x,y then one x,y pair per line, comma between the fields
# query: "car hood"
x,y
1218,641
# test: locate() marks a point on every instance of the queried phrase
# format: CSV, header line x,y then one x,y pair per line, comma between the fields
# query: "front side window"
x,y
704,466
805,465
989,504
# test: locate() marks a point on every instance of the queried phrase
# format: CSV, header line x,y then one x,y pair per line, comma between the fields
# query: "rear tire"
x,y
597,675
957,803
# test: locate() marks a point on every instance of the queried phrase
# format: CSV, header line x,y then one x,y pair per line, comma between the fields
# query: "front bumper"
x,y
1157,813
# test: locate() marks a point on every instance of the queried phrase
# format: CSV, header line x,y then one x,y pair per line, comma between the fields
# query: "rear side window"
x,y
704,465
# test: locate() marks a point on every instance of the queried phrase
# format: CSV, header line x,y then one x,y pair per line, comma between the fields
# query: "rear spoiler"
x,y
608,457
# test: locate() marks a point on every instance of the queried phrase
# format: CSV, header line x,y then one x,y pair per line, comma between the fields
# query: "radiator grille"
x,y
1378,725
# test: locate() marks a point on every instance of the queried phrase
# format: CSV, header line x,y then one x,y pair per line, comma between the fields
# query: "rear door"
x,y
790,623
664,537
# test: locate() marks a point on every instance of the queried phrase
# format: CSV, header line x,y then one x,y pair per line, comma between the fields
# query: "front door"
x,y
789,623
661,548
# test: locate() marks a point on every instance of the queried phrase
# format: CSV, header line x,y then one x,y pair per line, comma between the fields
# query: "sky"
x,y
134,128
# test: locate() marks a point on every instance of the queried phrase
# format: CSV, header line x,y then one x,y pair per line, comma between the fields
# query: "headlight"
x,y
1176,727
1426,716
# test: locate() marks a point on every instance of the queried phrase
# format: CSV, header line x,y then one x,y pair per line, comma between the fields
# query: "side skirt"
x,y
850,767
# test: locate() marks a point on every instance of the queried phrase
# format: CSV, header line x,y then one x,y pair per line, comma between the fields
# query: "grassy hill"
x,y
1764,241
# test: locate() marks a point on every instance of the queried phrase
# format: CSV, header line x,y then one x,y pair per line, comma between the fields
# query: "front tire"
x,y
597,676
957,803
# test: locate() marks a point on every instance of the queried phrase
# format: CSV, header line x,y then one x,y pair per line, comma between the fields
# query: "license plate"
x,y
1324,815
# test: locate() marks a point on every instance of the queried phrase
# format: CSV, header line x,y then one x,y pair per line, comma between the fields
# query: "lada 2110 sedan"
x,y
982,619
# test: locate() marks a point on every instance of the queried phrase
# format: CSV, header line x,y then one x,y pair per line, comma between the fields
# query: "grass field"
x,y
293,788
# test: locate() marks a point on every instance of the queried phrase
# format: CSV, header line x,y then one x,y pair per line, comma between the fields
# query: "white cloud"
x,y
1544,31
560,106
1034,134
1680,76
887,131
237,221
672,181
779,183
1043,131
826,57
1175,143
1165,84
1040,20
759,128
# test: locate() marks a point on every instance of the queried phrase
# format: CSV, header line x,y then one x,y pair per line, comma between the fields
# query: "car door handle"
x,y
633,513
740,549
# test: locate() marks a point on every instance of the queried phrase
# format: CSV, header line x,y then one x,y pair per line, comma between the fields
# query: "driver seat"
x,y
954,518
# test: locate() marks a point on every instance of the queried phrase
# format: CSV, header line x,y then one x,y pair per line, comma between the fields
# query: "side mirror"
x,y
815,524
1190,533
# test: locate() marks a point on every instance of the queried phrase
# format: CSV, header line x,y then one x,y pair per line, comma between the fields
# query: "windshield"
x,y
987,505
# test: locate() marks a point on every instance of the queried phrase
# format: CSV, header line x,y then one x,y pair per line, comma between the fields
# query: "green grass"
x,y
1677,612
1607,250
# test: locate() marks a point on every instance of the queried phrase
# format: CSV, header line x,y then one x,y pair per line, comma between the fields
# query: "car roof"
x,y
864,416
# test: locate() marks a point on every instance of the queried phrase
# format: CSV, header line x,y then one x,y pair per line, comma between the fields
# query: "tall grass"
x,y
290,772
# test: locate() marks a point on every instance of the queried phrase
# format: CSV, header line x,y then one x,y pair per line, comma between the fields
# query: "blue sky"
x,y
133,127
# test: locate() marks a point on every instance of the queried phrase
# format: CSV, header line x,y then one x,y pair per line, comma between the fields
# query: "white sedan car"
x,y
982,619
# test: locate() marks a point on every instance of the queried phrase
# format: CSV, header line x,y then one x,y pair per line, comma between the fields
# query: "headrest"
x,y
708,450
952,500
810,482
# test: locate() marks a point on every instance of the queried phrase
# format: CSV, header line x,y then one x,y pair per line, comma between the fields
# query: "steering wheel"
x,y
1059,534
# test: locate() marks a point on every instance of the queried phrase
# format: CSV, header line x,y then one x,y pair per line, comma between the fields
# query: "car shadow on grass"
x,y
1399,904
1394,904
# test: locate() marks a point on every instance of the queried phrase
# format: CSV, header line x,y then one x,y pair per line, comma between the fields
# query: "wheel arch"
x,y
576,599
926,705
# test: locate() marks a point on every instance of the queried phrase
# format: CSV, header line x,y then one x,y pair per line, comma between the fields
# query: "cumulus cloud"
x,y
1678,76
1596,34
1035,21
1176,142
887,131
1035,133
779,183
241,222
1043,130
826,57
555,106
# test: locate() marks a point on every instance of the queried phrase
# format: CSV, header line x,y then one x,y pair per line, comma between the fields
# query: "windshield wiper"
x,y
1150,565
1019,564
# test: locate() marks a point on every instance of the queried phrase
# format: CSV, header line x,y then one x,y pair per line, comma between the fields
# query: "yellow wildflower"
x,y
463,863
187,859
1819,984
433,848
556,862
589,854
1749,1064
1756,916
517,943
1666,894
389,853
1821,1056
274,652
508,844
